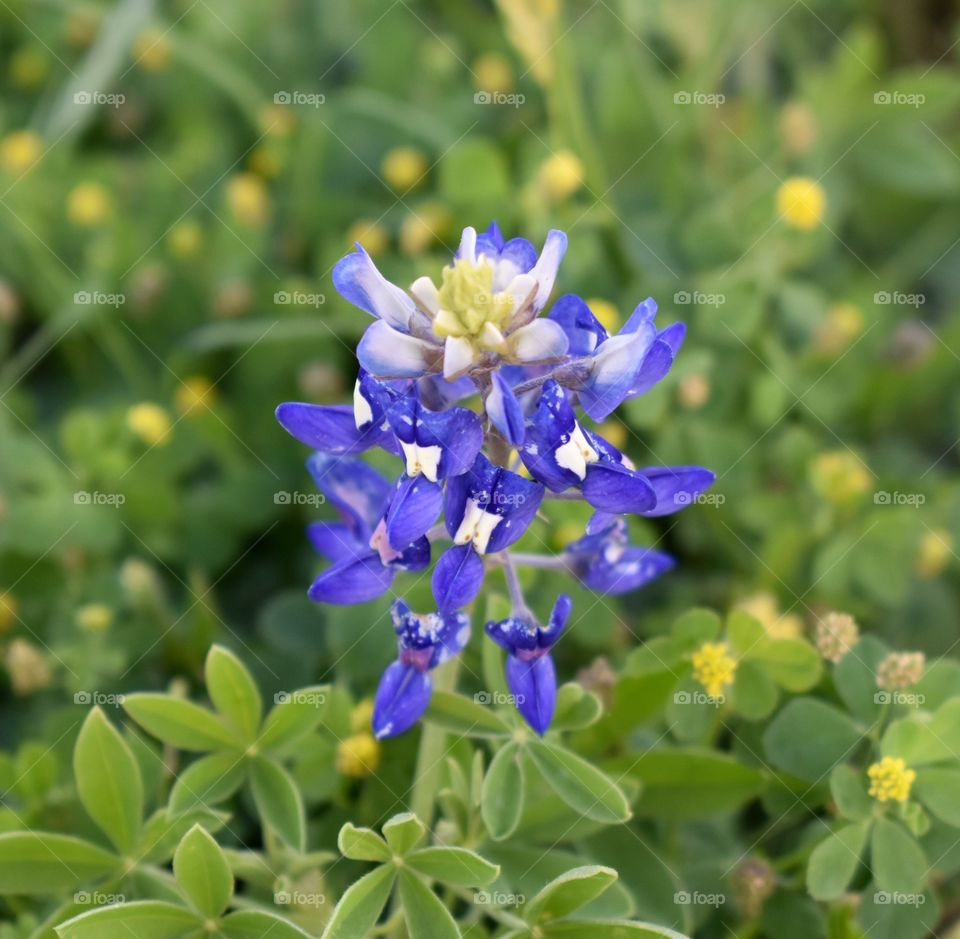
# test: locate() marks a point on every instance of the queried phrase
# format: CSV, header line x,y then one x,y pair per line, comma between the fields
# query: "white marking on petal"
x,y
362,412
419,460
425,290
576,453
477,526
457,356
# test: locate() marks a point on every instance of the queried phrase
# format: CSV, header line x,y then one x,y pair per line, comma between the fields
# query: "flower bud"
x,y
933,554
358,755
195,395
88,205
835,635
492,73
185,239
94,617
150,423
560,175
403,168
372,235
19,151
248,200
27,666
900,670
754,881
801,202
151,50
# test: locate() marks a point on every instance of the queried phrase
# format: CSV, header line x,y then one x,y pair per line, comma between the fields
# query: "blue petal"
x,y
413,558
515,499
357,279
511,634
330,428
644,314
459,434
533,684
504,410
437,393
611,487
352,580
584,331
452,639
658,360
626,570
357,491
676,487
388,353
552,423
557,622
519,252
490,242
615,366
402,697
334,540
457,578
415,506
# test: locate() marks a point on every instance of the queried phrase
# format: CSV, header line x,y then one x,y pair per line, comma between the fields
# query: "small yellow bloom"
x,y
29,67
361,716
801,201
404,168
88,205
196,393
185,239
151,50
81,27
248,199
424,227
492,73
276,120
798,127
694,391
8,611
765,609
714,667
606,312
28,668
933,554
94,617
20,150
149,422
890,779
560,175
839,476
843,324
358,756
374,238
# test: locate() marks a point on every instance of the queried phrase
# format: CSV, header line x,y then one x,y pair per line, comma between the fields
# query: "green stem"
x,y
433,740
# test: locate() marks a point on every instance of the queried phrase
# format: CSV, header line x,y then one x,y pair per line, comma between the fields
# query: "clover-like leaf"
x,y
425,915
896,858
45,863
295,714
362,844
207,781
403,832
835,860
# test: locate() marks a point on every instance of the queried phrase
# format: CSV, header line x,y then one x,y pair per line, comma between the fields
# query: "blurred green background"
x,y
178,179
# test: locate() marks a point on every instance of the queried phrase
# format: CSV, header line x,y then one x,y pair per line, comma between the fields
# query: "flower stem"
x,y
546,562
520,608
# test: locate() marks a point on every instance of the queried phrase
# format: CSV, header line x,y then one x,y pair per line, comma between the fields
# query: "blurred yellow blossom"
x,y
765,609
94,617
276,120
88,205
185,238
27,666
616,432
265,161
196,392
150,422
358,755
891,779
694,391
374,238
8,610
839,476
531,28
560,175
29,67
492,73
361,716
19,150
933,554
714,667
801,201
404,168
151,50
81,27
798,127
424,227
606,312
248,199
843,324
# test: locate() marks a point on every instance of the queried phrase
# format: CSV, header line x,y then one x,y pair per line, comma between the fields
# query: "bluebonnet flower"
x,y
530,671
424,641
480,335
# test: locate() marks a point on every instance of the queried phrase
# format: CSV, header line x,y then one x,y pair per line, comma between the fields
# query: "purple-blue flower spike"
x,y
464,377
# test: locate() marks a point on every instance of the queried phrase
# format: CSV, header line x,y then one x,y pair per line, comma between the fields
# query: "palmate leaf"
x,y
456,867
278,800
143,919
257,924
179,723
361,905
294,716
568,893
233,692
835,860
203,873
460,715
362,844
45,863
425,915
207,781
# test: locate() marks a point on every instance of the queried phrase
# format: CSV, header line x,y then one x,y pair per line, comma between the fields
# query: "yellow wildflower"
x,y
801,201
149,422
88,205
404,168
890,779
358,755
20,150
714,667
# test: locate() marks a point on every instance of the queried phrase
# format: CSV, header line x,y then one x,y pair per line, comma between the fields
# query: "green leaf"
x,y
576,707
568,892
457,867
745,633
42,863
360,907
462,716
849,792
896,858
403,832
233,691
696,627
295,715
939,791
179,723
582,786
937,740
163,831
691,782
835,860
808,738
145,919
362,844
426,916
754,692
207,781
108,780
256,924
203,873
606,929
855,678
278,801
503,793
